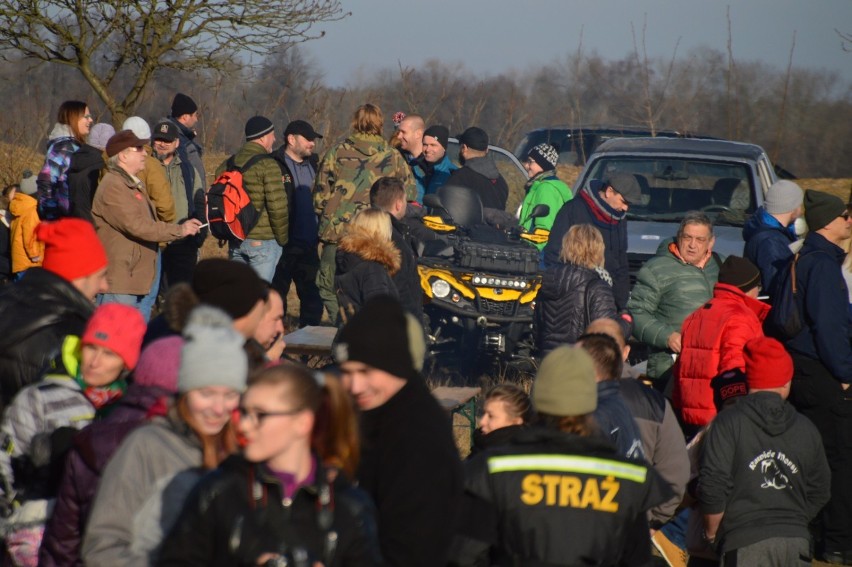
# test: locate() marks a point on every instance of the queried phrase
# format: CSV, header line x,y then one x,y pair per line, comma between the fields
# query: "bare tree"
x,y
107,39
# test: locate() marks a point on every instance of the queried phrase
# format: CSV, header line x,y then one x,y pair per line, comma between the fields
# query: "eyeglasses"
x,y
257,417
845,216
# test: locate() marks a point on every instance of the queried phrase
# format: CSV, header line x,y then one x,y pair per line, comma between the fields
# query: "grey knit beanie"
x,y
213,354
783,197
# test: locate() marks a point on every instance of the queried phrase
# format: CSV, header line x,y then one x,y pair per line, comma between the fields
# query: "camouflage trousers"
x,y
325,280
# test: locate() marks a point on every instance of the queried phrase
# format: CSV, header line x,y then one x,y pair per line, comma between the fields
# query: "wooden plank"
x,y
311,341
452,398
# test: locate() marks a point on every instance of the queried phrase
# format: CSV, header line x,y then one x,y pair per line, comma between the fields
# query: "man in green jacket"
x,y
264,184
670,286
543,188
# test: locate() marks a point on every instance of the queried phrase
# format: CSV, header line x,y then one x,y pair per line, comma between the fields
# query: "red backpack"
x,y
230,211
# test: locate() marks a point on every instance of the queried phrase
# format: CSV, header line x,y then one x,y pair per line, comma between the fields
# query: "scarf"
x,y
602,212
102,396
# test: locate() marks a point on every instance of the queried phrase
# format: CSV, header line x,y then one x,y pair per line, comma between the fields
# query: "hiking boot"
x,y
674,556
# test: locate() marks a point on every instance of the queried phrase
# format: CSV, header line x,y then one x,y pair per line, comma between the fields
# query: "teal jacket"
x,y
545,189
666,292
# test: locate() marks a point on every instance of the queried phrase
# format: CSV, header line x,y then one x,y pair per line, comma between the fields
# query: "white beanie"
x,y
783,197
213,354
138,126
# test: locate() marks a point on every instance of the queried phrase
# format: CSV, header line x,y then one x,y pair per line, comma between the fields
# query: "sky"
x,y
494,36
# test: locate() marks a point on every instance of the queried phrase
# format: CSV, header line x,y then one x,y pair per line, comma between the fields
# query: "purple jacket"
x,y
93,447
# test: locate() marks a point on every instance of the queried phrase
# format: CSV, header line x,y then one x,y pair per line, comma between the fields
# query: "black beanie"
x,y
821,208
231,286
545,156
727,386
739,272
182,104
440,133
384,336
257,127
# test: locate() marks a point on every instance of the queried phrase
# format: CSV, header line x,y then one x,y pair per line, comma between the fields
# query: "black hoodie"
x,y
764,466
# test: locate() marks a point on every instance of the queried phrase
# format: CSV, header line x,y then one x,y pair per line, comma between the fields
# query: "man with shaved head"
x,y
410,135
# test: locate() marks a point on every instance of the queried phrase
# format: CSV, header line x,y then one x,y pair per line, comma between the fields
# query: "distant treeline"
x,y
801,117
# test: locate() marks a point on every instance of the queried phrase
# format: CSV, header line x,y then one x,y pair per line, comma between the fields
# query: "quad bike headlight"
x,y
440,288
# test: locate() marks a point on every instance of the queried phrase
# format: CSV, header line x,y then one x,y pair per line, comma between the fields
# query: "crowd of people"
x,y
151,416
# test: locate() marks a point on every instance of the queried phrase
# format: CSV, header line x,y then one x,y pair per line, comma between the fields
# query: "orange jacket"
x,y
27,251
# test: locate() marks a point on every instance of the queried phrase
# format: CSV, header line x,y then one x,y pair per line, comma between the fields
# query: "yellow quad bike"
x,y
479,290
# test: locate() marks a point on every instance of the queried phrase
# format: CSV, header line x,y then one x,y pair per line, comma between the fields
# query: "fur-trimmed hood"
x,y
363,245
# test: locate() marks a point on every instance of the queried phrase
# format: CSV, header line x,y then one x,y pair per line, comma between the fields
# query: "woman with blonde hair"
x,y
288,496
366,261
575,292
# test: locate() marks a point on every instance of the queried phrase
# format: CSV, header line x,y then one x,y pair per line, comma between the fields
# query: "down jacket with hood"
x,y
365,266
345,175
712,342
667,291
481,175
92,449
588,208
764,466
570,298
27,250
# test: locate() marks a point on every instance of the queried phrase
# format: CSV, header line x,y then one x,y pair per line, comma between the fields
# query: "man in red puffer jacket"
x,y
713,339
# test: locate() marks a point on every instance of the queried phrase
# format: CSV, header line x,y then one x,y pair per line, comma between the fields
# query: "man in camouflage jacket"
x,y
342,187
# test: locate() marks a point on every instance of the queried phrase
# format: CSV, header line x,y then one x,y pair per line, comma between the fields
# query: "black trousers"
x,y
179,259
817,395
299,264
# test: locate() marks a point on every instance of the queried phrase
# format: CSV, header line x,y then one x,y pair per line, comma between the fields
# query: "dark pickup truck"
x,y
727,180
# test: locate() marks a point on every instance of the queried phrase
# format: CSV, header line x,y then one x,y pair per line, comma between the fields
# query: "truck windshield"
x,y
672,186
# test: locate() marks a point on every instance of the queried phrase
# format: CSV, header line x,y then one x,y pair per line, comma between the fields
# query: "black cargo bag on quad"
x,y
515,258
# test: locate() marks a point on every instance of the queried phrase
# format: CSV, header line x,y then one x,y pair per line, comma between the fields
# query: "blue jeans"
x,y
262,255
149,300
134,301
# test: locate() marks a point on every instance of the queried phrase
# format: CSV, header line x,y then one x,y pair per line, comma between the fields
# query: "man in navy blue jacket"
x,y
822,355
770,230
299,260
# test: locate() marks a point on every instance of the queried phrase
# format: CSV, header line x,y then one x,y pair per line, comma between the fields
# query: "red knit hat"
x,y
767,364
119,328
71,248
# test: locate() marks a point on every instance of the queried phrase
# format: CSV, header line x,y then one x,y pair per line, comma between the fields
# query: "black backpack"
x,y
230,211
785,319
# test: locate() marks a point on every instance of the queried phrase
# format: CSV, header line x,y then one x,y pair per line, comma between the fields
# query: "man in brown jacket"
x,y
126,225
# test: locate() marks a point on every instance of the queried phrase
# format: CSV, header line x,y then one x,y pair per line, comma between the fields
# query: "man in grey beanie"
x,y
770,231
